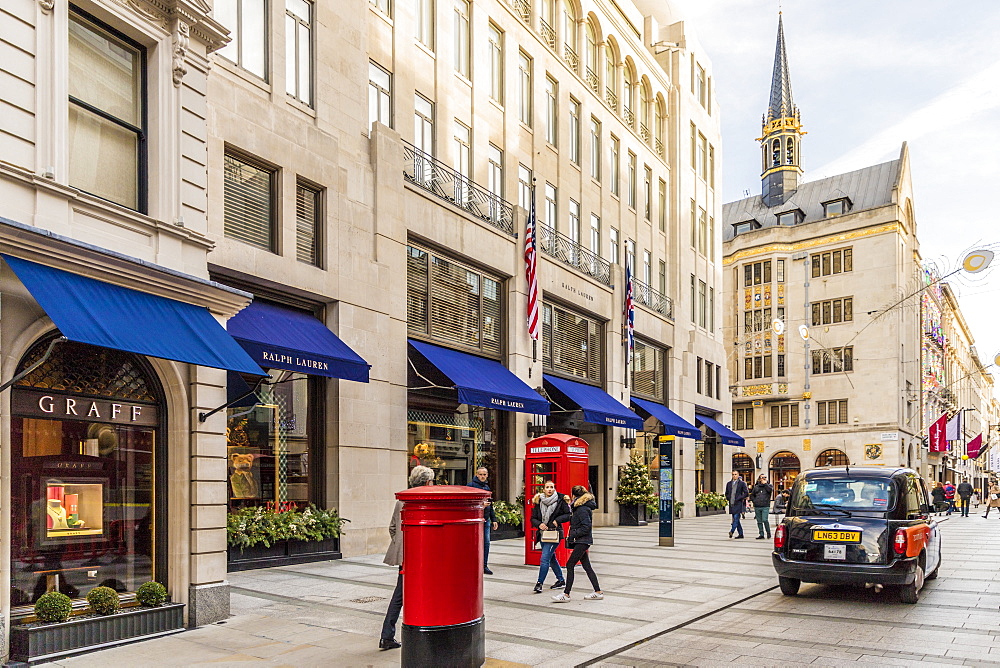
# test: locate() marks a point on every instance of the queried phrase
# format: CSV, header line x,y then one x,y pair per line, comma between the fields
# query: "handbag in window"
x,y
549,536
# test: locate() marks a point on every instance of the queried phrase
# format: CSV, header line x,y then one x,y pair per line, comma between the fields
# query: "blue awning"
x,y
598,406
725,434
483,382
111,316
672,422
282,338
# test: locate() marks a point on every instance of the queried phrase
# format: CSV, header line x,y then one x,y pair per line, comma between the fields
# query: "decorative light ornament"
x,y
778,326
977,260
804,332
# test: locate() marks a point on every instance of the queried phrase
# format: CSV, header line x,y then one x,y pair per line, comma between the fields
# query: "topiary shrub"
x,y
151,594
53,607
103,600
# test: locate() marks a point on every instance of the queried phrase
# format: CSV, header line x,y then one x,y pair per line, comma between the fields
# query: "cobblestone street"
x,y
708,601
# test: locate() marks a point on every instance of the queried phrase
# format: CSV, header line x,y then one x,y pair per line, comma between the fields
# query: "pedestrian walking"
x,y
419,476
964,491
581,537
949,496
993,499
737,493
937,496
489,515
760,496
548,514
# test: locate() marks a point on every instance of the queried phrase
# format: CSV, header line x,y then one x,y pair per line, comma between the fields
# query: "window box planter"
x,y
507,531
283,553
703,512
36,642
632,516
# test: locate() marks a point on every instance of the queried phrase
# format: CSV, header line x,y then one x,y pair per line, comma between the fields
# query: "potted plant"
x,y
635,492
282,534
511,520
678,509
709,503
55,631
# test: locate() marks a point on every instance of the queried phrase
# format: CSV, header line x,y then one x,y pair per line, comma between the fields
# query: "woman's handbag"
x,y
549,536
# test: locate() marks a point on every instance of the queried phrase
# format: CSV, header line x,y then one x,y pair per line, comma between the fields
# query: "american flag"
x,y
629,314
530,269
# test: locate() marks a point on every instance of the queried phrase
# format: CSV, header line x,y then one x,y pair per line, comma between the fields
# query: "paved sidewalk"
x,y
329,614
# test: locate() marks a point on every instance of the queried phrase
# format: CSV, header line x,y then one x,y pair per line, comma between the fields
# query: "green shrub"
x,y
151,594
508,513
103,600
53,607
268,525
710,500
635,488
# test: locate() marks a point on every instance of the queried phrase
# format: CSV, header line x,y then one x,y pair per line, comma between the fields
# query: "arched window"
x,y
644,109
743,464
590,56
832,457
776,153
660,123
784,468
628,102
789,151
611,75
570,37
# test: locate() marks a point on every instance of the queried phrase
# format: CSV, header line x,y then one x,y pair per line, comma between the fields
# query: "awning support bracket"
x,y
40,362
205,415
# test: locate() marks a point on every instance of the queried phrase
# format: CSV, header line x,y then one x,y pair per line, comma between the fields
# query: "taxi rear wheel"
x,y
789,586
911,593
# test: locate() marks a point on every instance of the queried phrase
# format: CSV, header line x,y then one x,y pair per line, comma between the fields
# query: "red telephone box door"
x,y
564,460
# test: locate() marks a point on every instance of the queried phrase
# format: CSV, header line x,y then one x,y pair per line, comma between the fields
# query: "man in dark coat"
x,y
736,494
965,493
760,496
489,515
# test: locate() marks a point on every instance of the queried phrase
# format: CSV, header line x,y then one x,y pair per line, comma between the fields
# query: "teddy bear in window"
x,y
242,480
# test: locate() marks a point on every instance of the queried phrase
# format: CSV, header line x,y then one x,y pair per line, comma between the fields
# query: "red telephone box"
x,y
563,459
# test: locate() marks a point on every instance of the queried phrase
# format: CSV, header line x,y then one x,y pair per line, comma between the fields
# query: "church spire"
x,y
781,134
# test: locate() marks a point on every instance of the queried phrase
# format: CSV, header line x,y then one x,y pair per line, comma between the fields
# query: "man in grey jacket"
x,y
419,476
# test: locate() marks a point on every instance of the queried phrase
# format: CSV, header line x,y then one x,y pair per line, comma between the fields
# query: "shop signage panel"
x,y
57,406
666,455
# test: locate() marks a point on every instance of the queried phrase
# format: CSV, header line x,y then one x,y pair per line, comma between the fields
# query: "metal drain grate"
x,y
367,599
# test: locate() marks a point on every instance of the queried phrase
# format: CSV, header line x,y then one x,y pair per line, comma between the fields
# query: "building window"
x,y
702,304
463,40
632,177
833,360
630,255
832,262
524,88
702,231
837,207
788,218
757,273
298,50
571,343
743,418
649,371
711,309
107,114
247,23
694,224
425,23
551,112
496,64
694,301
451,302
784,415
524,188
781,366
711,238
551,207
574,222
423,124
701,85
595,149
758,366
662,205
613,250
249,202
615,166
494,171
832,311
663,277
647,192
694,147
595,234
756,320
709,377
647,267
711,166
574,131
698,384
745,226
780,273
379,95
831,412
385,6
308,223
702,157
462,144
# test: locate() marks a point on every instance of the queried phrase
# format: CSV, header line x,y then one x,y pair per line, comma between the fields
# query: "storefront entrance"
x,y
743,464
87,451
784,469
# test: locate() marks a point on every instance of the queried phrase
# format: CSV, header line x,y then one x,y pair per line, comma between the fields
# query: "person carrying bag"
x,y
548,513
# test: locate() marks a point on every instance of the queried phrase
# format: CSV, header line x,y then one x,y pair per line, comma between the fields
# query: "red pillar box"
x,y
443,576
564,460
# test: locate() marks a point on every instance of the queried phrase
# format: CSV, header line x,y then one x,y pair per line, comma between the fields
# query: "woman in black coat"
x,y
548,513
581,537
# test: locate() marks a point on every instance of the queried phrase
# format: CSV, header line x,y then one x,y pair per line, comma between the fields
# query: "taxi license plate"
x,y
837,536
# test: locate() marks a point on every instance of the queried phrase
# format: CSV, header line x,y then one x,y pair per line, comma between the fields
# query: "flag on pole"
x,y
629,314
954,430
937,440
975,447
530,269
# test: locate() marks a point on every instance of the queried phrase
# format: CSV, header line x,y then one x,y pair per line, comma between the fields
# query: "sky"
x,y
867,76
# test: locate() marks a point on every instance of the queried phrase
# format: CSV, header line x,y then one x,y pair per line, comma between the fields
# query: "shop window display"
x,y
454,444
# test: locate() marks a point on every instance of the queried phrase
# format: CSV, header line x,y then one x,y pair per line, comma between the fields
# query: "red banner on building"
x,y
975,447
937,438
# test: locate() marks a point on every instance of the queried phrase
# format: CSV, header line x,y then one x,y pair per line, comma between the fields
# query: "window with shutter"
x,y
416,291
307,223
648,371
249,202
571,343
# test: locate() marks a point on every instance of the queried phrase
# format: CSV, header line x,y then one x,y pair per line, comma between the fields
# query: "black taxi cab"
x,y
851,525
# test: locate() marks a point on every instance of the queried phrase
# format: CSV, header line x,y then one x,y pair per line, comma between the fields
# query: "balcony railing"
x,y
566,250
523,9
434,176
569,55
659,148
548,33
647,296
644,132
593,81
612,99
629,117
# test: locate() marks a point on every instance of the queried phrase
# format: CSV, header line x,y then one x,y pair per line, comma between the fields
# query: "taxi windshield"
x,y
846,494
